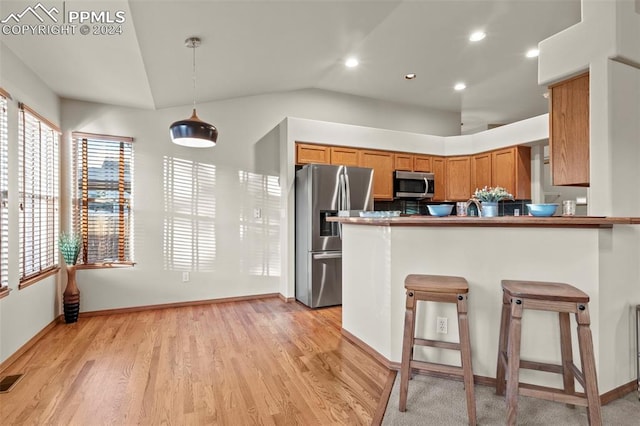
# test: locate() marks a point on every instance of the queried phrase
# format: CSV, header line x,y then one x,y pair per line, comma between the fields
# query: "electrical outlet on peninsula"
x,y
441,325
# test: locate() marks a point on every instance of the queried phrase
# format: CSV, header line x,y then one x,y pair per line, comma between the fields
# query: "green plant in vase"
x,y
489,197
492,194
70,248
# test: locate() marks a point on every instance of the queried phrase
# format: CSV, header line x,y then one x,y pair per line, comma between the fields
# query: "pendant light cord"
x,y
194,75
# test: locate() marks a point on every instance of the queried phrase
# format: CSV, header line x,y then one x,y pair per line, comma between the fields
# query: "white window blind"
x,y
38,192
103,197
4,219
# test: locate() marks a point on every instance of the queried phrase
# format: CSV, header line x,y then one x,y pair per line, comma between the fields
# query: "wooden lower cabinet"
x,y
309,153
458,180
382,164
438,168
344,156
403,162
422,163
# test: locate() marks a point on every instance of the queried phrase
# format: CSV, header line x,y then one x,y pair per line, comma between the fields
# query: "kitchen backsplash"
x,y
505,208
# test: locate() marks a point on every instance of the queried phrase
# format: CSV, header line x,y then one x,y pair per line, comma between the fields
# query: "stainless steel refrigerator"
x,y
321,192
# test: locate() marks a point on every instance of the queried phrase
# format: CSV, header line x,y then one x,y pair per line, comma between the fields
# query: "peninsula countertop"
x,y
499,221
598,255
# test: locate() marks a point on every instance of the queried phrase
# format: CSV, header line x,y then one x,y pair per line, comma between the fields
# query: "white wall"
x,y
247,250
24,312
348,109
527,131
557,194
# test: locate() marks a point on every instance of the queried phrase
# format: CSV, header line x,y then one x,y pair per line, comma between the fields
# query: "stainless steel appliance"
x,y
323,191
413,185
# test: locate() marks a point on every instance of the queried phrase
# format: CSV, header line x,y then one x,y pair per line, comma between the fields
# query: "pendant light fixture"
x,y
193,132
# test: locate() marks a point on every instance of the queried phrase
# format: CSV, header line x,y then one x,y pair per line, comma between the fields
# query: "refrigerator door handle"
x,y
341,199
347,187
334,255
340,192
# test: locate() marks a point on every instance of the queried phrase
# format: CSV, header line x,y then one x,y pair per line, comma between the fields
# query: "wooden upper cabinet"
x,y
309,153
422,163
511,169
403,161
438,168
480,171
456,178
458,181
382,164
569,131
344,156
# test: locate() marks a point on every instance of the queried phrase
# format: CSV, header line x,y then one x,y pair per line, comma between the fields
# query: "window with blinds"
x,y
38,193
103,197
4,219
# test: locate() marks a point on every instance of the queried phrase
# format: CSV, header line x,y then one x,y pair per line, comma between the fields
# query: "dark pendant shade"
x,y
193,133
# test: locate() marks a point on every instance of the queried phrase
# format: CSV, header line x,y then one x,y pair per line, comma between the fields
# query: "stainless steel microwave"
x,y
413,185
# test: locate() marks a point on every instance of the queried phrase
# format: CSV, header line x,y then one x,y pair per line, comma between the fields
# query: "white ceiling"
x,y
255,47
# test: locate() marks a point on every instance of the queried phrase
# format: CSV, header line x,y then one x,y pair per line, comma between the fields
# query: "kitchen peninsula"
x,y
596,254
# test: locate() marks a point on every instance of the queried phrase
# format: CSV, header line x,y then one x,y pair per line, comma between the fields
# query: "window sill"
x,y
4,291
30,281
105,265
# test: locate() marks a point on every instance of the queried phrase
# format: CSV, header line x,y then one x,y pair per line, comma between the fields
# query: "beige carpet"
x,y
441,402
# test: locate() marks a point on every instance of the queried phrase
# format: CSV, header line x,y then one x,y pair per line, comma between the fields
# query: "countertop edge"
x,y
501,221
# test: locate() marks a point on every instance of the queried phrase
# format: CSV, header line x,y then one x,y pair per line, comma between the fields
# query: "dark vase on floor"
x,y
71,297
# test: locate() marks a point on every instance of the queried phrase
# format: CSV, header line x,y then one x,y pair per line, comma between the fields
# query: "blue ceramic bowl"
x,y
440,209
542,209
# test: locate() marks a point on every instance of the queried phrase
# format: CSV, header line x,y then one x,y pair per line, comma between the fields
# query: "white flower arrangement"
x,y
492,195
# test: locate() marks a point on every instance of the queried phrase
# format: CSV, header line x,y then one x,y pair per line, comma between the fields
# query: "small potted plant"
x,y
489,197
70,248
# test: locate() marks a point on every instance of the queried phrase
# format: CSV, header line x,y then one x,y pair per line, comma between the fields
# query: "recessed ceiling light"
x,y
532,53
351,63
460,86
477,36
410,76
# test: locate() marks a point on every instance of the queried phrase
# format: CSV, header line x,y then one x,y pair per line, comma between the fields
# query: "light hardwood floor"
x,y
238,363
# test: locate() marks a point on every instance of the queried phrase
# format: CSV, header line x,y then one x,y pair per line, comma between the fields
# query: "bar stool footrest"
x,y
552,394
437,368
437,344
540,366
547,367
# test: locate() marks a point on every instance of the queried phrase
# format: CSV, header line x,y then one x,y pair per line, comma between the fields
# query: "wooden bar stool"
x,y
554,297
437,288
